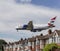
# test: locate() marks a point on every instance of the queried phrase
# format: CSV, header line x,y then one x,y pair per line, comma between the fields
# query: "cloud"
x,y
12,14
26,1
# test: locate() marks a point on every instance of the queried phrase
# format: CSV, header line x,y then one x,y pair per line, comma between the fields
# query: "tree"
x,y
50,47
2,42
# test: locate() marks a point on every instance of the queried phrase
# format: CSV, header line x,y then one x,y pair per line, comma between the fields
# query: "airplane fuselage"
x,y
41,27
35,27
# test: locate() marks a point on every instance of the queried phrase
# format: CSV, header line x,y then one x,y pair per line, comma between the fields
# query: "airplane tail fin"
x,y
30,25
51,22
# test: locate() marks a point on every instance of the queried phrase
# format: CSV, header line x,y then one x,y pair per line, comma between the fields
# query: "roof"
x,y
50,35
31,39
58,32
43,37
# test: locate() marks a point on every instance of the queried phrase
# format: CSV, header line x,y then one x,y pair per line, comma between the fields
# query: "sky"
x,y
19,12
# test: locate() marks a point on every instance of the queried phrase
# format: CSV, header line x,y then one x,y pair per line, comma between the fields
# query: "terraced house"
x,y
36,43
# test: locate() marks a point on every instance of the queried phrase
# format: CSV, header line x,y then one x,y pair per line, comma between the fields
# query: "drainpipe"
x,y
36,44
33,46
29,46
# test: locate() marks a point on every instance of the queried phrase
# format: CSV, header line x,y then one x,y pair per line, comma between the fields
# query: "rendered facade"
x,y
35,43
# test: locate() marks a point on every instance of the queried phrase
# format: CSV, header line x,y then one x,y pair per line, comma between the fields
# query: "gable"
x,y
57,32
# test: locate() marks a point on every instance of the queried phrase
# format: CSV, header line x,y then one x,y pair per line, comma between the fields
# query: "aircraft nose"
x,y
19,26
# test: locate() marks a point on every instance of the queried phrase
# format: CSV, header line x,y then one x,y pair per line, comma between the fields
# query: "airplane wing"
x,y
30,25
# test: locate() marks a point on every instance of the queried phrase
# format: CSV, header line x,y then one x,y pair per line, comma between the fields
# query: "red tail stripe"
x,y
49,24
53,18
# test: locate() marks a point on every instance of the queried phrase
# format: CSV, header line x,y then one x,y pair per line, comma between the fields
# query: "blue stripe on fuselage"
x,y
25,26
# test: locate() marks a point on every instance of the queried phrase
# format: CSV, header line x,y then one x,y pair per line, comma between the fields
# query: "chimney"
x,y
25,39
49,31
41,34
21,39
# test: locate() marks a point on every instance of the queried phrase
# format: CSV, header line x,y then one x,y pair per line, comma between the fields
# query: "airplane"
x,y
38,27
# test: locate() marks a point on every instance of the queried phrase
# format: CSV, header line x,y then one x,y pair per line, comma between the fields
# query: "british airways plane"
x,y
38,27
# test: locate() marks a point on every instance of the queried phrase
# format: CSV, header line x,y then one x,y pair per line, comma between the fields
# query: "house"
x,y
36,43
